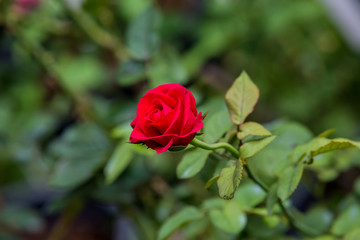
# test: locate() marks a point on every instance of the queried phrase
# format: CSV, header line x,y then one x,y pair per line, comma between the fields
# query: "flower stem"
x,y
198,143
292,220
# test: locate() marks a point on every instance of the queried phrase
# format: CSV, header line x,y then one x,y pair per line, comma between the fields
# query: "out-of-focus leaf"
x,y
253,129
146,224
80,151
249,195
192,162
352,235
347,221
216,125
249,149
21,218
195,229
259,228
241,98
213,203
79,74
289,180
271,198
210,44
231,219
357,186
325,237
165,68
130,72
118,162
142,35
229,180
184,216
329,165
290,134
131,9
318,219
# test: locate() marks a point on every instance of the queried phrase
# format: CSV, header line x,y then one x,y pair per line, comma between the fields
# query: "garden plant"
x,y
180,120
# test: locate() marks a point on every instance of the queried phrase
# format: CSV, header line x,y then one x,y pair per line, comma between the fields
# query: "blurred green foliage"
x,y
71,73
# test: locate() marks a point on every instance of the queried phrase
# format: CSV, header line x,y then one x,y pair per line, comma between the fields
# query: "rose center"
x,y
156,115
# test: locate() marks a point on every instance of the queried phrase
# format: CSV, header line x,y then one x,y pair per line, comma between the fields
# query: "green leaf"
x,y
318,219
211,181
130,72
327,145
184,216
271,198
249,195
21,218
118,162
80,152
216,125
352,235
249,149
326,133
212,203
347,221
317,146
192,162
231,219
252,129
241,98
289,133
289,180
142,35
229,180
267,164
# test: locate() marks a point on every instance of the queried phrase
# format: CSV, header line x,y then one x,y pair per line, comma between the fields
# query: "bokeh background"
x,y
72,71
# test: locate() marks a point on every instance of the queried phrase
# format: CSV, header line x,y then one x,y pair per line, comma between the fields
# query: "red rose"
x,y
166,117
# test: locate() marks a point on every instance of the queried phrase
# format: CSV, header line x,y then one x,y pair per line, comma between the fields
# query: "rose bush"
x,y
166,117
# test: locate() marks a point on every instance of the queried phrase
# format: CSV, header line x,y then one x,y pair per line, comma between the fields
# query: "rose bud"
x,y
166,117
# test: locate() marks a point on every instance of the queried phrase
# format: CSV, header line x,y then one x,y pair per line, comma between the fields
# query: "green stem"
x,y
291,218
198,143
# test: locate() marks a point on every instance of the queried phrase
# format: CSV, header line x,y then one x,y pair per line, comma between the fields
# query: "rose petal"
x,y
133,123
163,124
175,125
165,148
145,103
